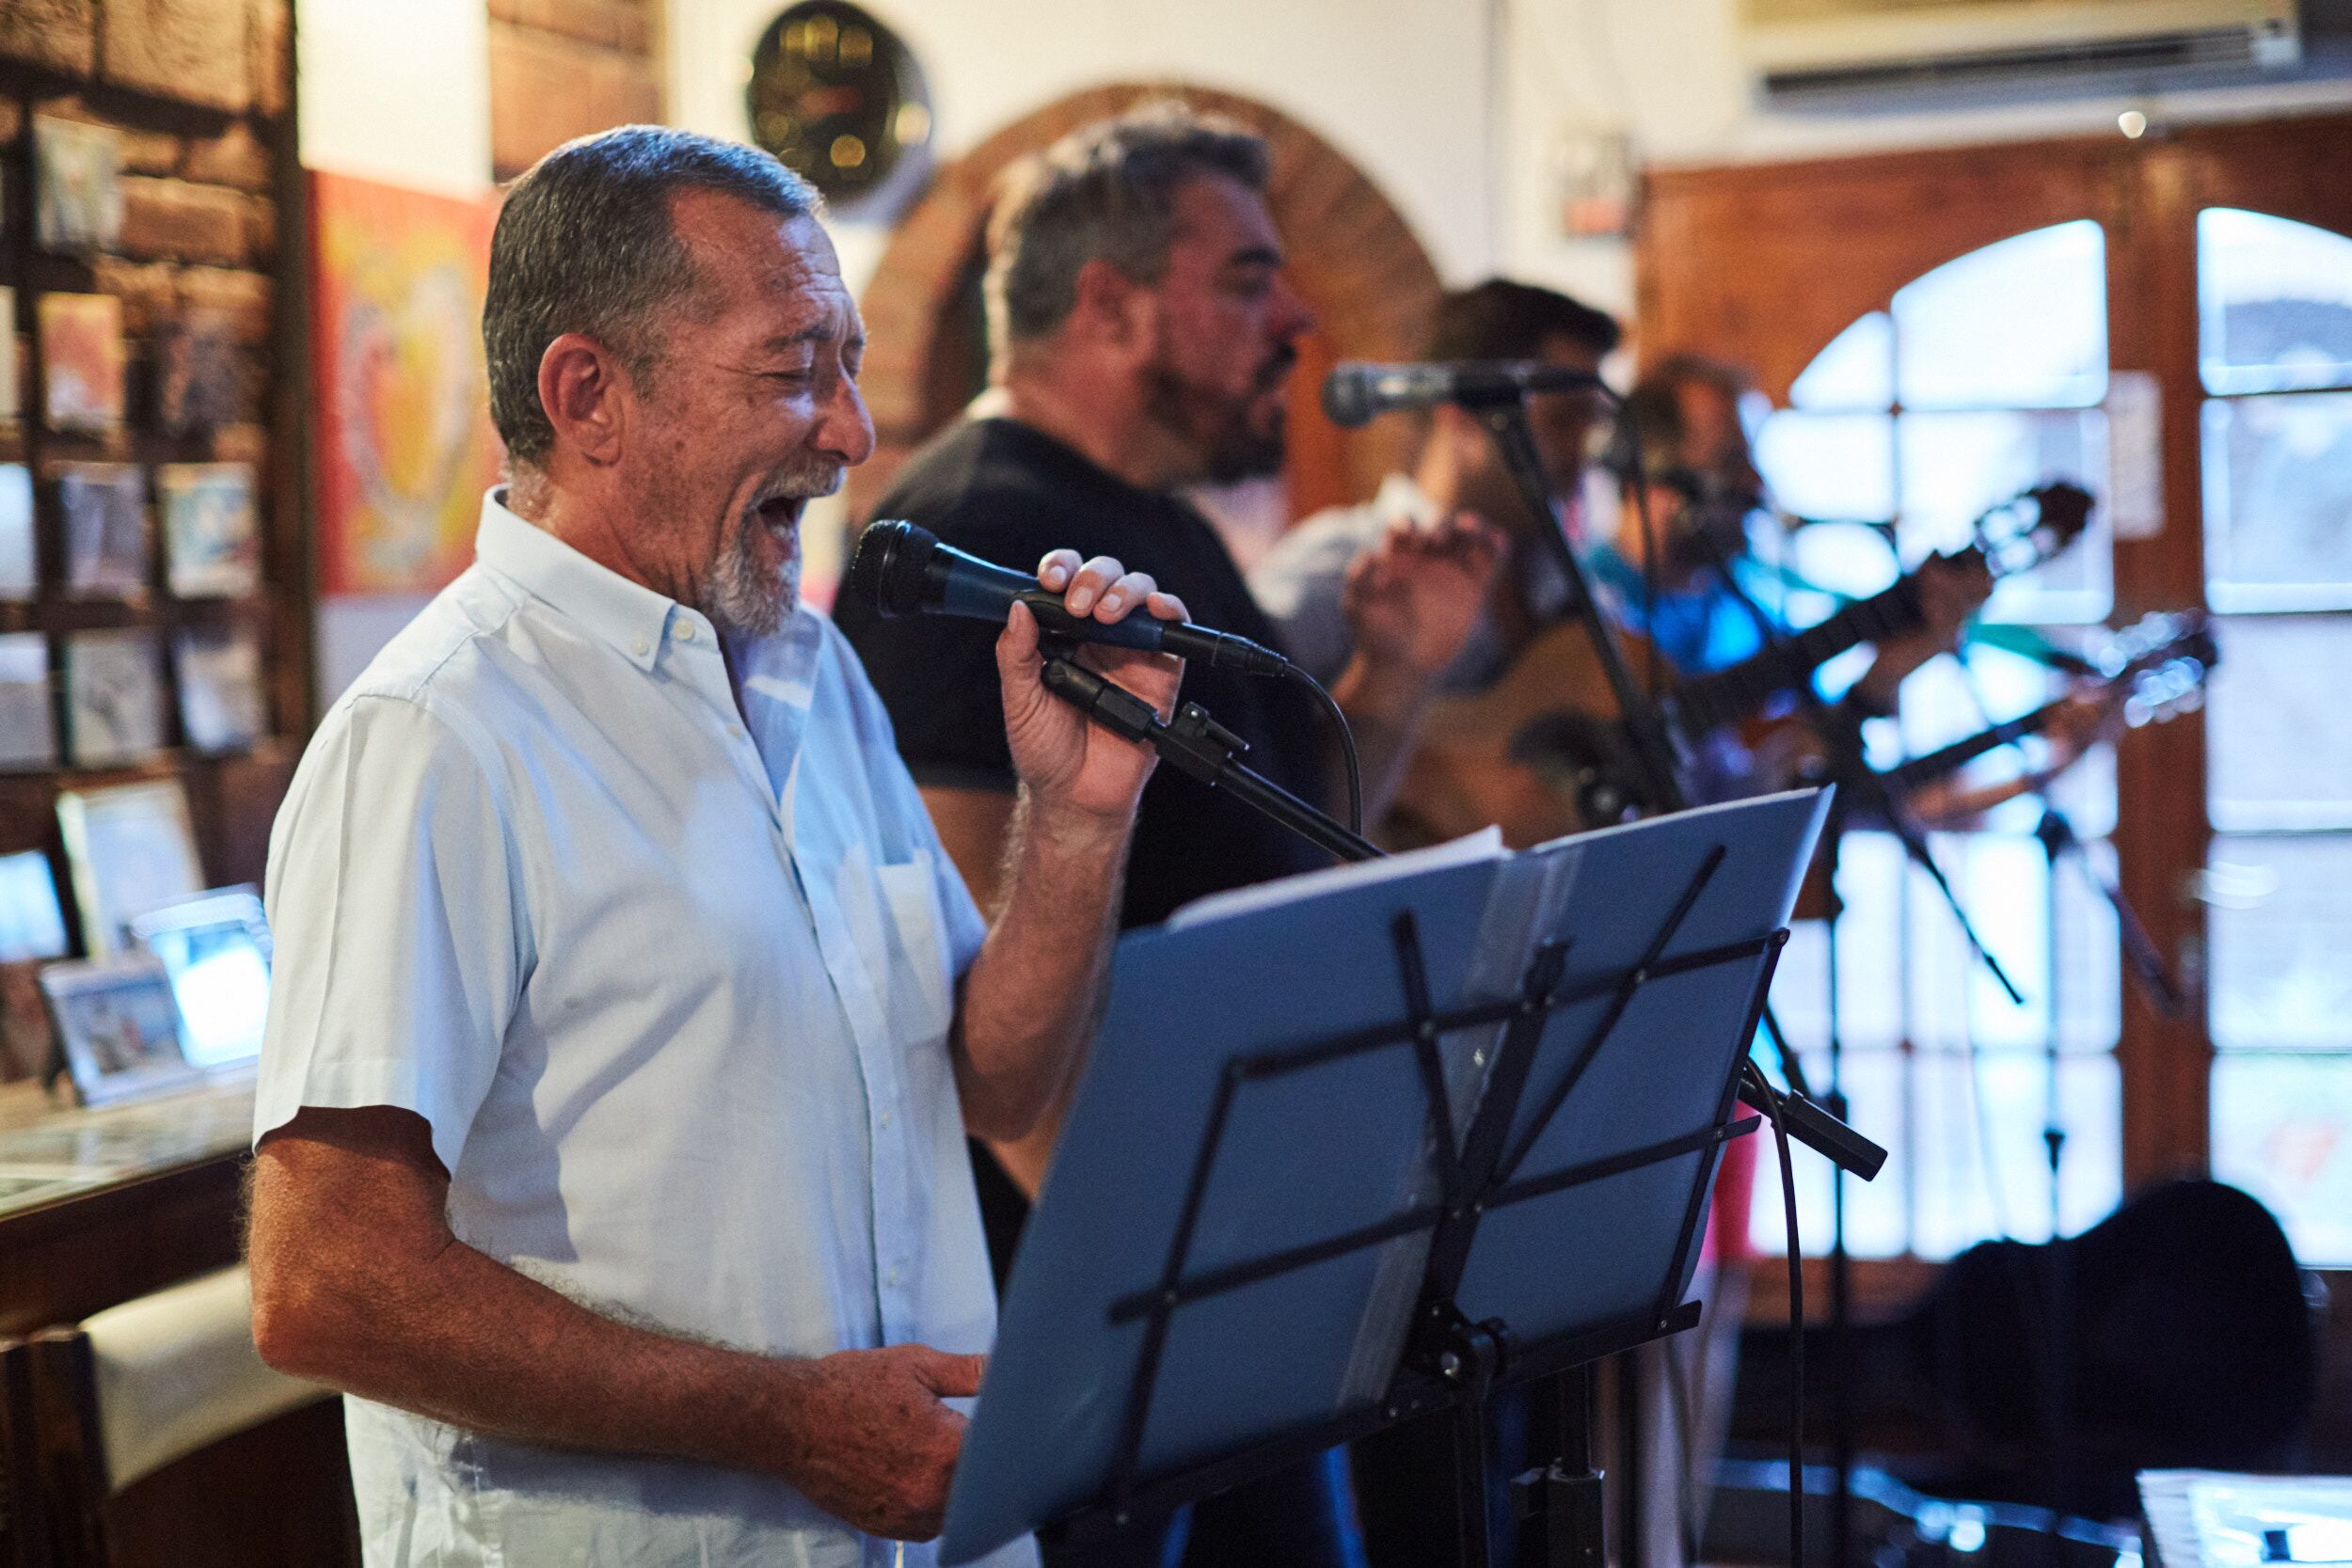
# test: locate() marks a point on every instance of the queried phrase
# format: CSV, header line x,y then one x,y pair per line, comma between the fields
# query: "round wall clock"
x,y
836,96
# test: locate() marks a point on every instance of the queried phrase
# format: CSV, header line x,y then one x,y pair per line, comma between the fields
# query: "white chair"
x,y
97,1406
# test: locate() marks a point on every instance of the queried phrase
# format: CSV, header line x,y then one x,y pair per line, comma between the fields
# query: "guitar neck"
x,y
1730,694
1960,753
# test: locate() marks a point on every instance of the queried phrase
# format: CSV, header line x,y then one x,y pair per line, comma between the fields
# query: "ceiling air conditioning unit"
x,y
1842,49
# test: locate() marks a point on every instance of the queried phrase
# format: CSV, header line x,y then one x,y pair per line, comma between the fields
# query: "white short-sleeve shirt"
x,y
671,981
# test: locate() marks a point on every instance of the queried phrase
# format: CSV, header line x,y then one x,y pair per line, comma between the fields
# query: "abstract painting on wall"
x,y
405,444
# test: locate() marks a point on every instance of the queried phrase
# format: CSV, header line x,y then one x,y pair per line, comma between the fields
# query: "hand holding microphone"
x,y
1083,781
904,570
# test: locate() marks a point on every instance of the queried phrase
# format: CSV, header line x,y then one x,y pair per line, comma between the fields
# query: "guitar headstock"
x,y
2034,527
2161,662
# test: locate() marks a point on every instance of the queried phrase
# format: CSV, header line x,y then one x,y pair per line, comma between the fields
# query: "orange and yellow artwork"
x,y
405,443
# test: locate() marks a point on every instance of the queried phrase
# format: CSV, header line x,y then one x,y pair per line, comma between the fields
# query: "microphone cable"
x,y
1771,1096
1347,743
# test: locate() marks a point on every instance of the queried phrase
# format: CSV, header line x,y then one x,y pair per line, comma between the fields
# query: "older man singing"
x,y
630,1017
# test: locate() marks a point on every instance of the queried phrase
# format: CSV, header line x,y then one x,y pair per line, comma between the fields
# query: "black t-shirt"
x,y
1008,493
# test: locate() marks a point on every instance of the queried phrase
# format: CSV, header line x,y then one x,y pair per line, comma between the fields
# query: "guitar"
x,y
1545,751
2157,666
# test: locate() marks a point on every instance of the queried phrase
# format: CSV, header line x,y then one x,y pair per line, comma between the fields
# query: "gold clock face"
x,y
836,95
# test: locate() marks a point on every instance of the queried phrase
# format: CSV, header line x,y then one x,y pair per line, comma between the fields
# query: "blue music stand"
x,y
1368,1145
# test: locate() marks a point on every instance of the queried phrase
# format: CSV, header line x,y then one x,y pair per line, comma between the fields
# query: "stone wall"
x,y
561,69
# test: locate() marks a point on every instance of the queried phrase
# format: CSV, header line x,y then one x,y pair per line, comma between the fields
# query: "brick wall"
x,y
561,69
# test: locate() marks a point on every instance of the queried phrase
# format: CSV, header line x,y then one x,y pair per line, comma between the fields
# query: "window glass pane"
x,y
2278,494
2278,735
2282,1130
2274,301
1848,559
1855,371
2002,882
1982,1169
1829,464
2279,925
2018,324
1868,951
1954,466
1877,1213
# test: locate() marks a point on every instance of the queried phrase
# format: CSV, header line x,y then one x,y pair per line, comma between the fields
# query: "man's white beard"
x,y
743,596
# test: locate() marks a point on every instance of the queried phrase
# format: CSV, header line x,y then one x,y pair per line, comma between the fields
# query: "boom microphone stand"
x,y
1857,783
1505,419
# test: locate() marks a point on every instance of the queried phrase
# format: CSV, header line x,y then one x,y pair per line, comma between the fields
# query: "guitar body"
x,y
1535,753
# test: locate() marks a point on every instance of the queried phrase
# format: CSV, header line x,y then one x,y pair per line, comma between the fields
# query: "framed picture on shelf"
x,y
12,372
221,688
210,547
19,565
29,724
106,529
81,362
215,949
32,922
117,1027
113,697
77,185
131,850
197,382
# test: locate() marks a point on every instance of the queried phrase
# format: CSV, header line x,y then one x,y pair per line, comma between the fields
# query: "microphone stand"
x,y
1655,755
1197,745
1857,783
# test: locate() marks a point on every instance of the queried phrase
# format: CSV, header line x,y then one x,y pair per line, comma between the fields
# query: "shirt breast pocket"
x,y
921,1008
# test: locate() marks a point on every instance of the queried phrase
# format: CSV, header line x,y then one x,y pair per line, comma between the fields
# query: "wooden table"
x,y
100,1205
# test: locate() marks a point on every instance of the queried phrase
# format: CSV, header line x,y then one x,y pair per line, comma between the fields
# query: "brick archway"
x,y
1352,256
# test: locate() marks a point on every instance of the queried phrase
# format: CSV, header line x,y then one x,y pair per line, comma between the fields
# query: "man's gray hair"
x,y
1105,191
584,244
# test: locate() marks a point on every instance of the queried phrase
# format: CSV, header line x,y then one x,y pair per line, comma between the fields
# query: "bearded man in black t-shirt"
x,y
1141,336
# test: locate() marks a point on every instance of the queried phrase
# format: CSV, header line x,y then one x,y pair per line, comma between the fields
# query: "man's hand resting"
x,y
873,1444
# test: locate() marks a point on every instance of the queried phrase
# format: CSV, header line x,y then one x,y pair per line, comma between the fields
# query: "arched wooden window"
x,y
2171,320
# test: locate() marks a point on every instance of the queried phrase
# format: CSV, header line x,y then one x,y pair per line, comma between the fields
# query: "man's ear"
x,y
1112,307
586,394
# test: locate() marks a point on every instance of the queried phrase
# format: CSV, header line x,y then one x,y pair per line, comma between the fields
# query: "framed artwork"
x,y
130,850
114,698
19,569
28,725
32,922
106,529
81,362
403,440
210,546
12,372
221,688
215,949
77,184
117,1027
198,384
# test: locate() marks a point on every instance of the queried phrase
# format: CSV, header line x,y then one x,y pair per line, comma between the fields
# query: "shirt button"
x,y
642,646
892,1279
885,1121
735,732
686,631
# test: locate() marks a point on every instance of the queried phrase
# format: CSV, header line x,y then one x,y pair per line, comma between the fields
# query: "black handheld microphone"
x,y
904,570
1355,390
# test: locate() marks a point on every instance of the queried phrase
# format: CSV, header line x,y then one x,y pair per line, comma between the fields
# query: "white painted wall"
x,y
396,91
1456,107
1402,86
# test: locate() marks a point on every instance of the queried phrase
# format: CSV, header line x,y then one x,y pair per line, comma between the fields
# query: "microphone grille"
x,y
1347,395
888,567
